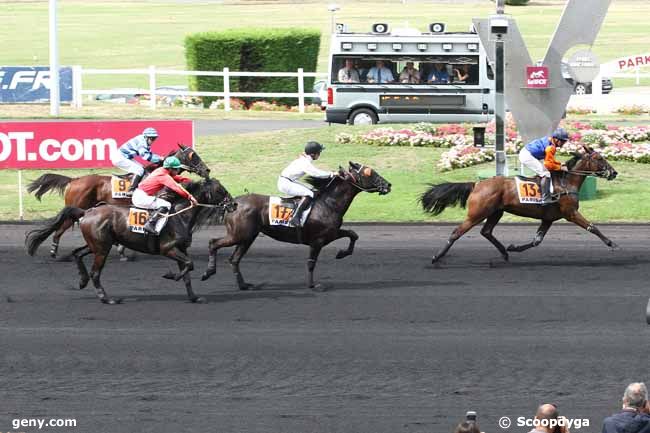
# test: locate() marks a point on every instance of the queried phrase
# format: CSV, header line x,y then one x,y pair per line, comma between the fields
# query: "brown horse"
x,y
322,226
489,199
106,225
86,191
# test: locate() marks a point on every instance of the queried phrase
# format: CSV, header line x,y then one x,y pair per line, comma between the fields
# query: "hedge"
x,y
252,50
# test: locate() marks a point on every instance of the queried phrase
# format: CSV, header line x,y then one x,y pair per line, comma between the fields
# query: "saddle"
x,y
281,210
530,192
127,176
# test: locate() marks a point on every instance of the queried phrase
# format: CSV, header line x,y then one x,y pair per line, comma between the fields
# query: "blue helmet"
x,y
561,134
150,133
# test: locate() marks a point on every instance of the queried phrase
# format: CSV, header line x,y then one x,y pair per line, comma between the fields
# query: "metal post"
x,y
226,89
301,90
152,87
55,97
77,99
499,109
20,195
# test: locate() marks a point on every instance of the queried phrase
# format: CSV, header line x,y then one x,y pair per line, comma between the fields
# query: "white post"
x,y
226,89
597,93
55,97
152,87
20,195
77,100
301,90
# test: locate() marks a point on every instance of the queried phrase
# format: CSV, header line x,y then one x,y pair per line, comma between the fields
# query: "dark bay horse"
x,y
322,226
489,199
106,225
86,191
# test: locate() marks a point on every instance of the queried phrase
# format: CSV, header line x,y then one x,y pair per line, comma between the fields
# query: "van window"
x,y
405,69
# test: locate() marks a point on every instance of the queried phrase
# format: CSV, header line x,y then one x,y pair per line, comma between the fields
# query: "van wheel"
x,y
581,89
363,116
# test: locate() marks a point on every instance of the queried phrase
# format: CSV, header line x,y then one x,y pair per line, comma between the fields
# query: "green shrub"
x,y
253,50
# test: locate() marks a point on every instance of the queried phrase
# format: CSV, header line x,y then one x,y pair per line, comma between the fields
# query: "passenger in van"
x,y
409,75
348,74
438,75
380,73
363,72
461,73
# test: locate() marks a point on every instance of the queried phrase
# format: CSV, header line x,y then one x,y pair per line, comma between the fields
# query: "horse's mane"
x,y
323,184
573,161
206,215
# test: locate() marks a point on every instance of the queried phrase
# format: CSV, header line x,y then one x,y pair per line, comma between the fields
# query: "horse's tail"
x,y
47,182
35,237
438,197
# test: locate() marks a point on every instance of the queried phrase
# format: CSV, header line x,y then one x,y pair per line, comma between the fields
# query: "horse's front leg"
x,y
539,237
185,265
314,251
577,218
353,239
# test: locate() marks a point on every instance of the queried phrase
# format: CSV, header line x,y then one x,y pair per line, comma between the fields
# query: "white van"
x,y
408,76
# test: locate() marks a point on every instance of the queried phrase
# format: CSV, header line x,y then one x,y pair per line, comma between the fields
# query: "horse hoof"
x,y
647,313
506,258
199,300
511,247
124,259
341,254
83,284
111,301
170,276
53,255
434,260
207,274
247,286
318,288
614,247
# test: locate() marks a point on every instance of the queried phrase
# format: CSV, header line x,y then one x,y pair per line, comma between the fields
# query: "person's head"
x,y
314,149
409,65
380,63
173,165
559,137
467,427
545,413
438,66
635,396
150,134
349,63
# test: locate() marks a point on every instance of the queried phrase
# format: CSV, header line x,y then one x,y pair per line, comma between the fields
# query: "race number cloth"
x,y
120,186
138,218
281,209
529,192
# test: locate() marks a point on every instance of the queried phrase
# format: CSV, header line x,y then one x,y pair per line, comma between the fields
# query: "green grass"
x,y
252,162
121,34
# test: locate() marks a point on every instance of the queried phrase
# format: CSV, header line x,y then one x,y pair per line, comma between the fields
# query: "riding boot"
x,y
545,185
135,182
150,225
297,213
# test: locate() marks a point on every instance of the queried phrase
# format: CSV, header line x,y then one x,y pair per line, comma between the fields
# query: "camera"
x,y
499,26
471,416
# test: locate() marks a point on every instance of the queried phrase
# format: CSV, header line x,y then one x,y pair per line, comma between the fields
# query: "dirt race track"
x,y
394,345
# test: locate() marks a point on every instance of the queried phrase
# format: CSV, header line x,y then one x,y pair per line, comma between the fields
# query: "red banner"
x,y
35,145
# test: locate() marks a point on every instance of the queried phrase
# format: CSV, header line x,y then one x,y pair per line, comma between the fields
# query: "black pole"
x,y
499,112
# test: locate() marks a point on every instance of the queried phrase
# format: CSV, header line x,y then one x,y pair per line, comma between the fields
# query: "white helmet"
x,y
150,132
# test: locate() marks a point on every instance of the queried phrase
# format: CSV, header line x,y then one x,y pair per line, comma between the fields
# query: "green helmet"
x,y
172,162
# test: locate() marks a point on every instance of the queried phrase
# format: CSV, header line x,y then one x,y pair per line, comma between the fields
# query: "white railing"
x,y
153,72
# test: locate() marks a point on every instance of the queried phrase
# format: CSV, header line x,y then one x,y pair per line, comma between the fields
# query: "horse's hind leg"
x,y
235,258
95,273
577,218
486,231
78,255
314,251
57,236
455,235
353,239
539,237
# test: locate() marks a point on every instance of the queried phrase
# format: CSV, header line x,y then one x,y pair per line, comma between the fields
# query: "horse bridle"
x,y
355,180
599,173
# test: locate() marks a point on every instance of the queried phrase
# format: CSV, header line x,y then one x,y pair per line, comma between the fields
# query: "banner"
x,y
37,145
20,84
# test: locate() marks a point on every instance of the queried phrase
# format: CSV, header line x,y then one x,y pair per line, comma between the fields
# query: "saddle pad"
x,y
529,192
281,209
120,187
138,218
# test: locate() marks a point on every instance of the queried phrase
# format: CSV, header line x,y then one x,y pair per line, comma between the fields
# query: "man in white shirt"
x,y
380,73
348,74
288,180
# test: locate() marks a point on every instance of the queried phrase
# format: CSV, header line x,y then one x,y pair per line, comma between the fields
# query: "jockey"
x,y
140,145
544,149
288,180
165,176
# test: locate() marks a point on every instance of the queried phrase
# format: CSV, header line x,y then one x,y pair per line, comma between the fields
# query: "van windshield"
x,y
405,69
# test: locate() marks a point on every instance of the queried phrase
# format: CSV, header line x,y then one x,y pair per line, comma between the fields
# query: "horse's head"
x,y
367,179
190,159
594,162
214,193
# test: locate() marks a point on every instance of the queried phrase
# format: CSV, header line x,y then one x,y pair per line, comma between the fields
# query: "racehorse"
x,y
489,199
105,225
86,191
323,225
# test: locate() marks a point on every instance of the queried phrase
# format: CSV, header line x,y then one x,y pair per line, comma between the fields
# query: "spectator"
x,y
360,69
634,417
461,73
380,73
409,75
348,74
545,414
467,427
439,74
